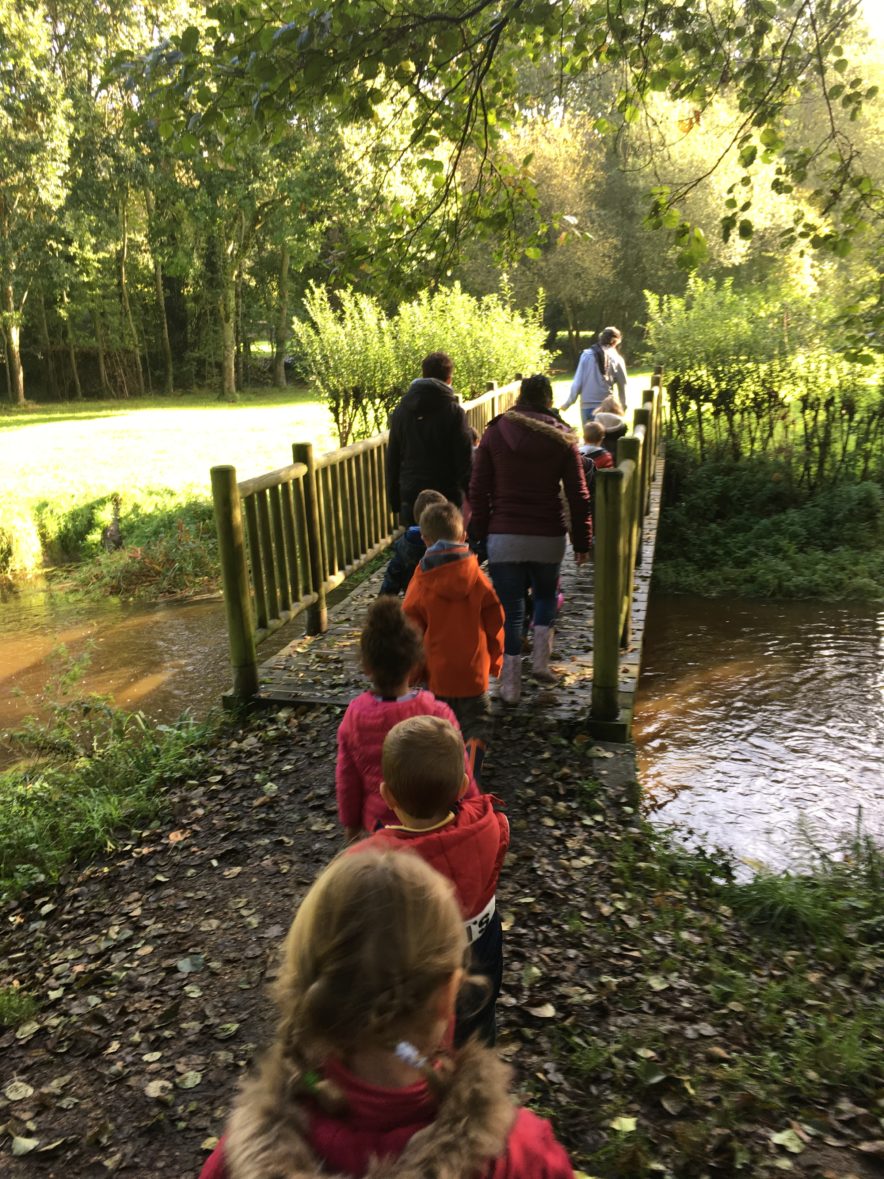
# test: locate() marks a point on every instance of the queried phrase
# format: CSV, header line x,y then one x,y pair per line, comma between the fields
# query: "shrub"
x,y
749,528
361,361
752,375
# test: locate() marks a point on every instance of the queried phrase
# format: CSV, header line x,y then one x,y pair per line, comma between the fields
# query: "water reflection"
x,y
160,659
756,720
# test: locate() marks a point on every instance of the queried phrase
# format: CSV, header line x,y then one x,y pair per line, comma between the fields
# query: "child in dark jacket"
x,y
391,651
408,548
463,838
357,1079
460,615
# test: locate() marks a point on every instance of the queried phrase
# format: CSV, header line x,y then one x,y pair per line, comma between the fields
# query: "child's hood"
x,y
269,1132
452,571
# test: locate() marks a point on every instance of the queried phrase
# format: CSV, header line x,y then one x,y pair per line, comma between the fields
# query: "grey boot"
x,y
510,689
543,641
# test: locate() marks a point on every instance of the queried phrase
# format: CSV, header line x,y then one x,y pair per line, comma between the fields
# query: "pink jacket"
x,y
360,741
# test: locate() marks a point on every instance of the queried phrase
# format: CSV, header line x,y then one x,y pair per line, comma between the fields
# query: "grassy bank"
x,y
62,465
745,528
674,1021
85,781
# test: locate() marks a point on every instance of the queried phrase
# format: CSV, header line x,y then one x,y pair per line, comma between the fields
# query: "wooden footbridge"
x,y
289,538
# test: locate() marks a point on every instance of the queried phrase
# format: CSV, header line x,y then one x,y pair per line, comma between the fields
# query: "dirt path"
x,y
151,969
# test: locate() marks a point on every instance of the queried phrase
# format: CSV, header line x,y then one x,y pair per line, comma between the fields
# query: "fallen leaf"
x,y
547,1011
623,1125
22,1146
158,1089
18,1091
788,1139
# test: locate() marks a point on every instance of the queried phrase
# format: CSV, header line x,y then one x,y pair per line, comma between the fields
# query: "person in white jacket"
x,y
599,369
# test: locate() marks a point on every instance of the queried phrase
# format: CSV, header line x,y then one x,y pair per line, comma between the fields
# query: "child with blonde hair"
x,y
357,1081
391,651
463,838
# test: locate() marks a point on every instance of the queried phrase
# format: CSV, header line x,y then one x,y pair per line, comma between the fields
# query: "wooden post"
x,y
642,417
606,620
235,580
317,614
629,455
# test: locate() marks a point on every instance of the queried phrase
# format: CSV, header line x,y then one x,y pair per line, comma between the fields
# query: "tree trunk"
x,y
282,317
46,344
72,355
102,362
168,366
6,363
238,344
227,315
124,295
168,369
13,346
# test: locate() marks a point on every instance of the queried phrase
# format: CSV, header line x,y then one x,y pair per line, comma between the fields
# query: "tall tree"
x,y
34,138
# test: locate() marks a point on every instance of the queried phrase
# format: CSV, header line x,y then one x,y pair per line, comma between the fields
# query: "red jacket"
x,y
360,741
468,851
455,605
380,1122
522,459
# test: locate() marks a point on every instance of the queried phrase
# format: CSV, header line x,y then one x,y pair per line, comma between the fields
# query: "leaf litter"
x,y
607,1014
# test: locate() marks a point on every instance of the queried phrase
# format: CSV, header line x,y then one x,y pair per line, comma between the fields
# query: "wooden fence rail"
x,y
287,538
623,496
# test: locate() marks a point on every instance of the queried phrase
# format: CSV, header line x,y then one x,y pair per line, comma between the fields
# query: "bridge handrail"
x,y
623,495
287,538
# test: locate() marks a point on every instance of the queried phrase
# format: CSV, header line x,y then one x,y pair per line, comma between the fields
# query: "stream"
x,y
759,724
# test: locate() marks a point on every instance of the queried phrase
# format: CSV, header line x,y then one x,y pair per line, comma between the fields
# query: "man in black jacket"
x,y
430,444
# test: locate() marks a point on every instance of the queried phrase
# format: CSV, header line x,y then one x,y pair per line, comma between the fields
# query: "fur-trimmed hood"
x,y
547,424
268,1132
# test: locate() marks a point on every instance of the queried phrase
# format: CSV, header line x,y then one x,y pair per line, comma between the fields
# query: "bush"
x,y
751,375
361,361
748,528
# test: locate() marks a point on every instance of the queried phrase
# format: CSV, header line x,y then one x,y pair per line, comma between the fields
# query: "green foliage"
x,y
750,528
100,772
750,377
355,58
837,904
16,1006
361,361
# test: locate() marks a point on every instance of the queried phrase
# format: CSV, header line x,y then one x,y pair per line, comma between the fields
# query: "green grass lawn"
x,y
85,449
60,466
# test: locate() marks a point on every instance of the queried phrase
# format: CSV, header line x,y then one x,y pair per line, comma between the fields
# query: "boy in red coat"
x,y
454,604
463,838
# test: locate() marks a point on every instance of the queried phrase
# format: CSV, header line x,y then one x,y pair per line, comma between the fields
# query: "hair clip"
x,y
310,1080
408,1054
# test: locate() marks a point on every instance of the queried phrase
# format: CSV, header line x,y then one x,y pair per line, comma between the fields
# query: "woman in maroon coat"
x,y
524,459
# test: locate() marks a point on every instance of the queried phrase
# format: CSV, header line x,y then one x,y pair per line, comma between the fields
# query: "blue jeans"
x,y
587,412
511,580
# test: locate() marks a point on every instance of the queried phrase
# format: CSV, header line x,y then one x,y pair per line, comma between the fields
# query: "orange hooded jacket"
x,y
455,605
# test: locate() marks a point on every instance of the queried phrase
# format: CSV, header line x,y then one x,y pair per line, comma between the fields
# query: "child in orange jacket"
x,y
455,605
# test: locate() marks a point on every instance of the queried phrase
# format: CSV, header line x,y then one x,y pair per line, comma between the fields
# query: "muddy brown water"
x,y
757,723
161,659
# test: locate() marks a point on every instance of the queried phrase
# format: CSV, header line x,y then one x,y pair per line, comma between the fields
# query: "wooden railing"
x,y
289,537
623,495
